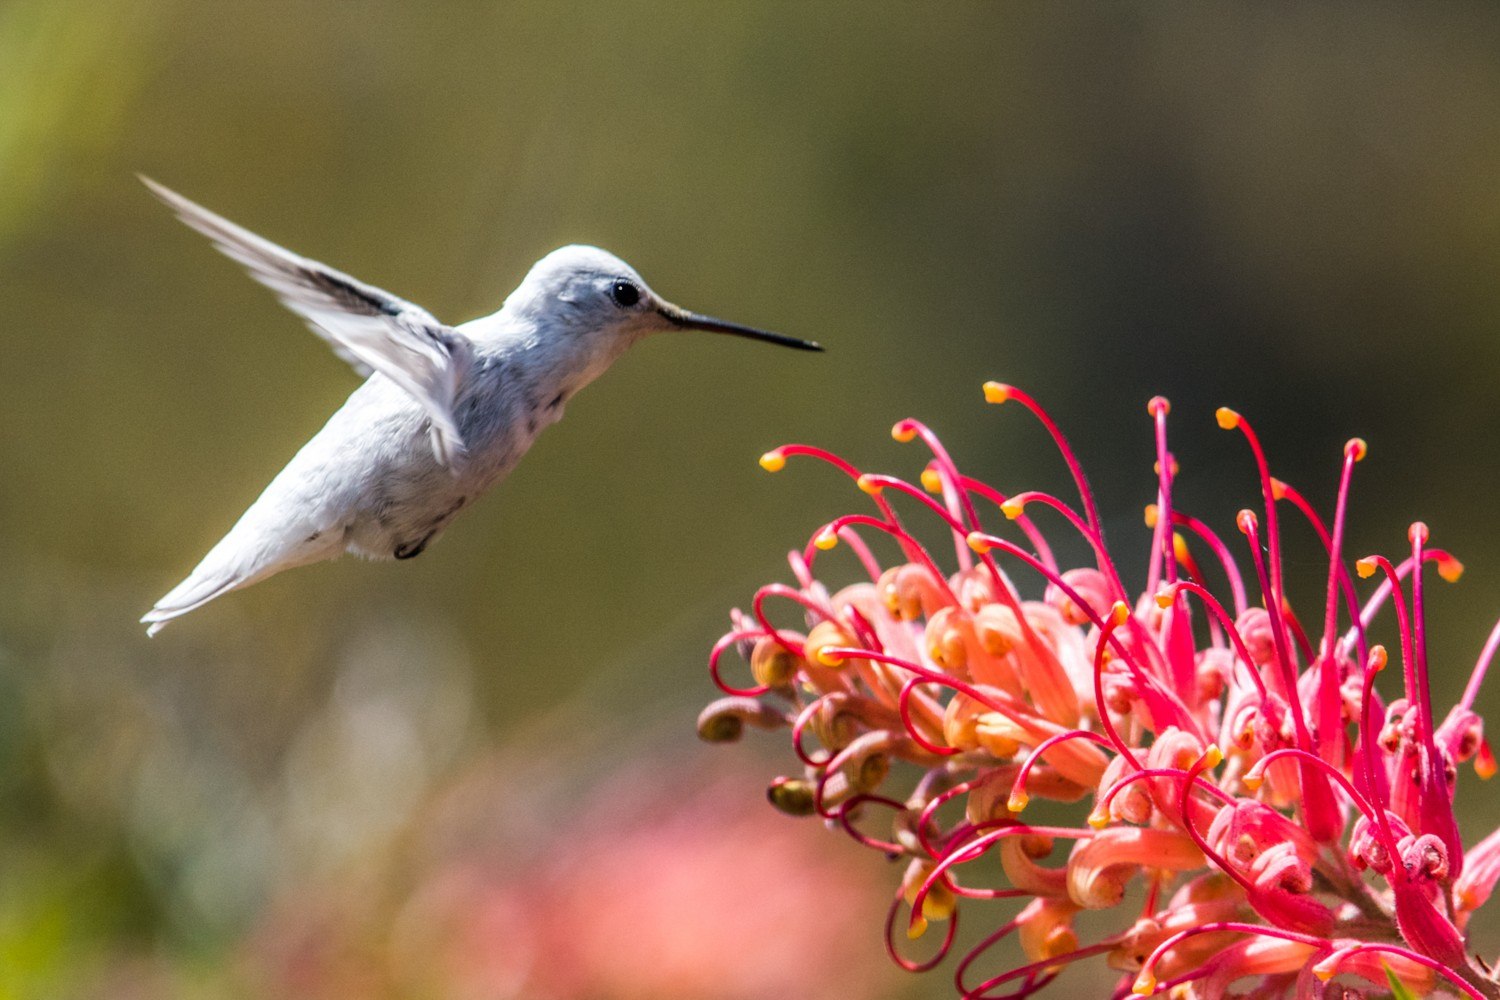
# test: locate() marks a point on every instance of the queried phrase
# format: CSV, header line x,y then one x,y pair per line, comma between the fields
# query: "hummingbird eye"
x,y
625,293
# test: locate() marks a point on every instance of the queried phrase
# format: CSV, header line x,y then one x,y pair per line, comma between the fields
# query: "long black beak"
x,y
683,319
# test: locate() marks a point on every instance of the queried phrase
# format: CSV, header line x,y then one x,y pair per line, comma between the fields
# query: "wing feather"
x,y
368,327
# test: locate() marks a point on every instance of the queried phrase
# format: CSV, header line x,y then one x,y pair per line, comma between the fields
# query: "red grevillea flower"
x,y
1287,829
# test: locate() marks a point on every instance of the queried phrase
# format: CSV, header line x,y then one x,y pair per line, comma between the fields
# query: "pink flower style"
x,y
1289,828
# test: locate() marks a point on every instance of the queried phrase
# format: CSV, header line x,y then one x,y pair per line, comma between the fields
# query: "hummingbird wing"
x,y
370,328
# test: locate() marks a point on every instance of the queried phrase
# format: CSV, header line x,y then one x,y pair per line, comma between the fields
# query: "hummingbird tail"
x,y
189,595
241,558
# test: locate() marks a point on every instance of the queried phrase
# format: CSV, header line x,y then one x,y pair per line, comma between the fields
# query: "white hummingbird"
x,y
445,413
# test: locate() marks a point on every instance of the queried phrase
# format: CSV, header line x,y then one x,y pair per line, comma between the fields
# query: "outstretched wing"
x,y
371,329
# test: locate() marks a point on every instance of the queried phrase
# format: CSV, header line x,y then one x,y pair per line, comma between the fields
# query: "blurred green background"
x,y
1293,211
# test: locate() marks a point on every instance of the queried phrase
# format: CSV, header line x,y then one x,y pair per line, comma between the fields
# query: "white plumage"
x,y
445,413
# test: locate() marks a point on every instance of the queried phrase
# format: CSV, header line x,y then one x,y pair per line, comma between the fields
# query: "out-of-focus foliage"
x,y
1291,211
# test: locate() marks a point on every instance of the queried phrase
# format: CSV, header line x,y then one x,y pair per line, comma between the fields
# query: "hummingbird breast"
x,y
409,497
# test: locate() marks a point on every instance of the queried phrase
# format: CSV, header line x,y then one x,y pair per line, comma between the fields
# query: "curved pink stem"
x,y
1033,534
903,961
732,639
1048,744
1242,652
1411,956
1221,552
1471,690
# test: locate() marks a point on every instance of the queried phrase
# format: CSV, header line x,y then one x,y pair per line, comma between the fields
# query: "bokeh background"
x,y
474,774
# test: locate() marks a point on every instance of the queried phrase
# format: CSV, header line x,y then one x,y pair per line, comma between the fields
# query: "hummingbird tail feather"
x,y
213,578
239,560
189,595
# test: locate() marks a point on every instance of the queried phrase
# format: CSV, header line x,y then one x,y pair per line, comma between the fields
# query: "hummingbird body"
x,y
446,413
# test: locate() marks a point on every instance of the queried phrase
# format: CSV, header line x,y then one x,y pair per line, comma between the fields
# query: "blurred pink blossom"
x,y
650,884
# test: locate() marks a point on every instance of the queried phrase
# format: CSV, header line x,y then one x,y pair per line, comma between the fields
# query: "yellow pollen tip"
x,y
1323,971
1013,508
826,540
1179,549
931,481
868,484
1212,757
828,657
978,542
1278,489
1159,404
996,392
1378,658
1018,801
773,461
1246,521
903,432
1153,515
1098,820
1357,448
1252,780
1484,766
1450,569
1145,984
1119,613
1166,597
1366,567
916,928
1227,418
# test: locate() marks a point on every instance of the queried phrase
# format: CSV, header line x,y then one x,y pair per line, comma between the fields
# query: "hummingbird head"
x,y
592,293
